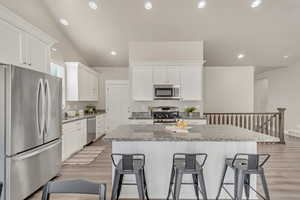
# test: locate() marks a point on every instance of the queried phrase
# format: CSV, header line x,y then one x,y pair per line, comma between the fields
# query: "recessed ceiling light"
x,y
240,56
63,21
202,4
93,5
113,53
148,5
286,57
256,3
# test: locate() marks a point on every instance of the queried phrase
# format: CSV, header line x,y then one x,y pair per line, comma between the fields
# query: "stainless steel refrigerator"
x,y
30,130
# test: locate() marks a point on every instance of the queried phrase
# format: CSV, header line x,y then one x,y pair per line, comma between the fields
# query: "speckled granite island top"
x,y
197,133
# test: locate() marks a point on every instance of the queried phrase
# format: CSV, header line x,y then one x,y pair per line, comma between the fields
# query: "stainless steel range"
x,y
165,114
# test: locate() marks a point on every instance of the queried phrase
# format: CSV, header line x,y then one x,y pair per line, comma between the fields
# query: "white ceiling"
x,y
228,27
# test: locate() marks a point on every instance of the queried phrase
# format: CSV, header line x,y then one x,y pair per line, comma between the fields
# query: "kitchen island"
x,y
159,145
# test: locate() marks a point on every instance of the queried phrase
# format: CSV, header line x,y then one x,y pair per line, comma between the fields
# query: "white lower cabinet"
x,y
74,137
100,125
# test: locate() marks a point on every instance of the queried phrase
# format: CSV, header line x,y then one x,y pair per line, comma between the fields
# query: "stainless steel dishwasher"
x,y
91,129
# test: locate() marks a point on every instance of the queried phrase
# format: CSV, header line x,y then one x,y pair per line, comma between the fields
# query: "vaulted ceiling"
x,y
228,27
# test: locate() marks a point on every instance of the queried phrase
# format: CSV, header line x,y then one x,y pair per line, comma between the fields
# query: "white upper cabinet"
x,y
35,53
174,75
142,83
22,44
166,75
160,75
82,83
188,78
191,83
10,44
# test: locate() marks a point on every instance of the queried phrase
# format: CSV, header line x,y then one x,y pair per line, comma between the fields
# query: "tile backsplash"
x,y
142,106
77,105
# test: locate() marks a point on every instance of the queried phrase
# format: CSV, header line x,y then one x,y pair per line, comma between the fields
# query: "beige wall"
x,y
35,12
166,52
228,89
284,91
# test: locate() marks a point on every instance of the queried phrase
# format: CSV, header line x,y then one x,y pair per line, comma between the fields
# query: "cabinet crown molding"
x,y
17,21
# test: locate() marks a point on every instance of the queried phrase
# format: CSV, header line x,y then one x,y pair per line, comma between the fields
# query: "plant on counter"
x,y
90,109
190,109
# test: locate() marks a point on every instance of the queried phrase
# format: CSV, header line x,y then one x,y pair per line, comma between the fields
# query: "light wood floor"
x,y
282,170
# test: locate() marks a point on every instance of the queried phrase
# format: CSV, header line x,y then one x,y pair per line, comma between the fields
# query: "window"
x,y
59,71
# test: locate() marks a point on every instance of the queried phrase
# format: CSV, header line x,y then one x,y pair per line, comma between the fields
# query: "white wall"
x,y
229,89
284,91
109,73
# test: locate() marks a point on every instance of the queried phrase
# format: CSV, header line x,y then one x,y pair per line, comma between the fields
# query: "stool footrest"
x,y
228,183
129,184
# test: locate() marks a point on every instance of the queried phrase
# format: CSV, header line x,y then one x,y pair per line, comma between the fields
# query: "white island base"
x,y
159,161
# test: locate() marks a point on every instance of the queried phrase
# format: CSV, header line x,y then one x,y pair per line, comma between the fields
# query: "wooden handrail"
x,y
269,123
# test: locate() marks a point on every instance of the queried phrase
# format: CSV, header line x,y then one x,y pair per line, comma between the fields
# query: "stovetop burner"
x,y
165,114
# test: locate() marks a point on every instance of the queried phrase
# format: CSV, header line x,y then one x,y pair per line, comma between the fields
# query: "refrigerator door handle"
x,y
48,114
40,119
35,152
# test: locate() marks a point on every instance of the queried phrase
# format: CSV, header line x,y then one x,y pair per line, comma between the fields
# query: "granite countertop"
x,y
86,116
217,133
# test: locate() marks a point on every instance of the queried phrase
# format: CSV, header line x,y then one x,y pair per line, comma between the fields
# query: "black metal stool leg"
x,y
145,185
196,185
177,187
140,184
235,185
222,181
202,184
171,182
247,186
120,186
240,185
265,186
115,185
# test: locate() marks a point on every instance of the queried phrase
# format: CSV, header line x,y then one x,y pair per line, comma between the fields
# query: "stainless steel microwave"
x,y
166,92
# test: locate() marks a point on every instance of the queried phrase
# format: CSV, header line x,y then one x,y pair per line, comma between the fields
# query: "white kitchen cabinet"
x,y
24,49
191,83
160,75
10,44
174,75
142,83
166,75
37,53
74,137
100,125
83,133
82,82
141,121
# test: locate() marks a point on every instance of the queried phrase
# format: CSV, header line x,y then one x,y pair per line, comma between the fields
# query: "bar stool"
x,y
187,164
129,164
74,187
245,165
